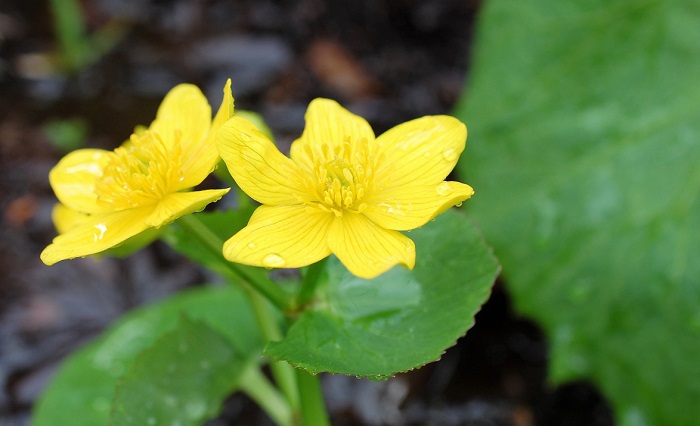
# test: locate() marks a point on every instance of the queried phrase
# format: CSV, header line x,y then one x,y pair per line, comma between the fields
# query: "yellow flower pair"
x,y
343,191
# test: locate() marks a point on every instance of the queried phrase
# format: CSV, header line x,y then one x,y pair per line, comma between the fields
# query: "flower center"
x,y
140,172
341,177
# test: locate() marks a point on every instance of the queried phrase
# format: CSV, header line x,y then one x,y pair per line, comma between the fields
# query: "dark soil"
x,y
387,60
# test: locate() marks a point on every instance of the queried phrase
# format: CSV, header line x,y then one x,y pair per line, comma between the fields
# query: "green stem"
x,y
313,407
309,283
259,281
254,384
283,372
260,286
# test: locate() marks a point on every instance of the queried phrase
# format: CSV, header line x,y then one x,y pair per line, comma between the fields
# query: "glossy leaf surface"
x,y
402,319
584,148
82,390
181,379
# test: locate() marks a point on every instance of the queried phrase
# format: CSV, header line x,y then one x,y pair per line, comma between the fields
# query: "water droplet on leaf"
x,y
195,409
273,260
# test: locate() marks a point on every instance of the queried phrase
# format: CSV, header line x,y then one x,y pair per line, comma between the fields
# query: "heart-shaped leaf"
x,y
82,390
181,379
402,319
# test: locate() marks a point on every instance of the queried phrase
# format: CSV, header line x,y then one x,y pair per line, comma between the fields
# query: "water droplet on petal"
x,y
100,230
444,189
273,260
246,137
251,245
449,154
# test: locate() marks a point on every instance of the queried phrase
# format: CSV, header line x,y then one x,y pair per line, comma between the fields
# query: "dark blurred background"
x,y
84,76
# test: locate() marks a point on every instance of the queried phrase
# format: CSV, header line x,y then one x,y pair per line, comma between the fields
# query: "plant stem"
x,y
313,407
283,372
260,286
309,283
253,277
254,384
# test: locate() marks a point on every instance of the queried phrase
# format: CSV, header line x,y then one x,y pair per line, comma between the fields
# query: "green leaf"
x,y
181,379
402,319
584,123
81,392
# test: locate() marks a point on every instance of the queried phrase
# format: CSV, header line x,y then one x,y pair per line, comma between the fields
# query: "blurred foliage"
x,y
584,122
67,135
83,389
77,49
186,389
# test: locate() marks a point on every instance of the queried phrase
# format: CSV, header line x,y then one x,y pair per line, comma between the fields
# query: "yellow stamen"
x,y
340,178
140,173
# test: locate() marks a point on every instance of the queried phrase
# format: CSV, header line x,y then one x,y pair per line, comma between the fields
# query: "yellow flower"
x,y
343,191
107,197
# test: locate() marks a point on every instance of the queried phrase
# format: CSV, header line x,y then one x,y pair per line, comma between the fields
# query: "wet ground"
x,y
389,61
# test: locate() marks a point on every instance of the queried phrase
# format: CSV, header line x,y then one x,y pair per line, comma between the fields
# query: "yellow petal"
x,y
281,237
421,151
368,250
184,116
179,204
73,179
64,219
225,112
408,207
256,164
96,235
329,123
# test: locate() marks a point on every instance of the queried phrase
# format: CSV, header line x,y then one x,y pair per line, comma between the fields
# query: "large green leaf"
x,y
181,379
82,390
402,319
584,121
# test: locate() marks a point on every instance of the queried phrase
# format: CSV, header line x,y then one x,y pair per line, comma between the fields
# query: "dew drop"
x,y
251,245
170,400
444,189
195,409
273,260
449,154
100,230
151,421
101,404
246,137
